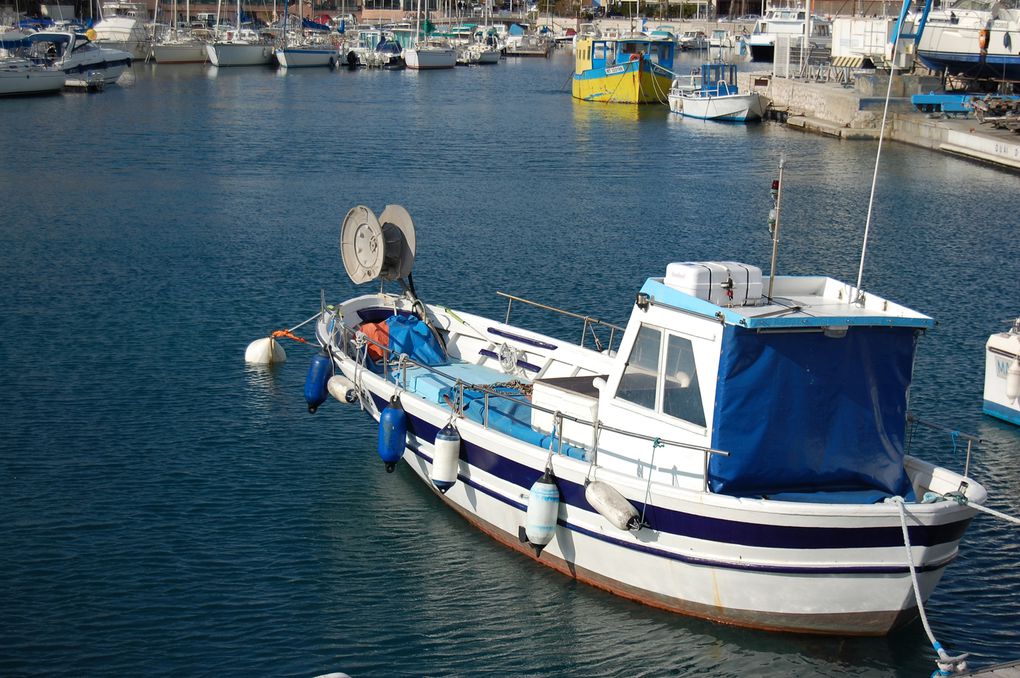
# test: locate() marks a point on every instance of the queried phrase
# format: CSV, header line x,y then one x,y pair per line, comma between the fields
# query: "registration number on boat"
x,y
615,69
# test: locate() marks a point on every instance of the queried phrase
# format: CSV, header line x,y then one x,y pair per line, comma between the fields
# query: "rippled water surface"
x,y
169,511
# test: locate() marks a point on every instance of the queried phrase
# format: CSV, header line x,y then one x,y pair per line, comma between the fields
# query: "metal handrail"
x,y
589,322
460,385
970,438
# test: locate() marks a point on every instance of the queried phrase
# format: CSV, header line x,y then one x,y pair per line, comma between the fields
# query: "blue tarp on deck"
x,y
804,412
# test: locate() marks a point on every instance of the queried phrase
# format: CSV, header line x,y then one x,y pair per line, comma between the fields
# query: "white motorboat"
x,y
22,76
80,59
972,38
737,452
791,22
715,96
689,40
122,25
1002,375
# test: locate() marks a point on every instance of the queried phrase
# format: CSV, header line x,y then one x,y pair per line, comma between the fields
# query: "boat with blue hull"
x,y
634,69
970,38
736,452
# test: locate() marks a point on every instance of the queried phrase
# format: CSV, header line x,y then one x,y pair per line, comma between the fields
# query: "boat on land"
x,y
1002,375
633,69
790,23
715,97
736,452
971,38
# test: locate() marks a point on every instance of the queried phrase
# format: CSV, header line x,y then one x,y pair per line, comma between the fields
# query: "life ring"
x,y
635,56
983,39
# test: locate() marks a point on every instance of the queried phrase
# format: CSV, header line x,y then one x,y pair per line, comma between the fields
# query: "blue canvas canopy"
x,y
805,412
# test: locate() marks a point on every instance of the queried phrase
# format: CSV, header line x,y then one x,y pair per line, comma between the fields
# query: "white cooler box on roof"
x,y
723,283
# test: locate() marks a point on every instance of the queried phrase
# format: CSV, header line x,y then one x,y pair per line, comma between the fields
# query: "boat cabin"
x,y
604,53
805,389
717,79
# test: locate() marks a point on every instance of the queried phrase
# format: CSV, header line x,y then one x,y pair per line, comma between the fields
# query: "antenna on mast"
x,y
777,199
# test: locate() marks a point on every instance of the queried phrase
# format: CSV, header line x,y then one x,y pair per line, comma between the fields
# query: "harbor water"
x,y
168,510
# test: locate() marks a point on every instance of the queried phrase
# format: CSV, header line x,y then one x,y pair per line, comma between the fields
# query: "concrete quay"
x,y
854,111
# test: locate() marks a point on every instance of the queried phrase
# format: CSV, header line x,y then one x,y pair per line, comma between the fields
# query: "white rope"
x,y
962,500
874,176
947,665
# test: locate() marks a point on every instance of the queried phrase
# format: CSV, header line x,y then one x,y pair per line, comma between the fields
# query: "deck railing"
x,y
588,323
351,341
916,421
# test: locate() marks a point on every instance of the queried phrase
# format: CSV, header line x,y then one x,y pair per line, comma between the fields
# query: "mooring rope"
x,y
947,665
963,501
656,444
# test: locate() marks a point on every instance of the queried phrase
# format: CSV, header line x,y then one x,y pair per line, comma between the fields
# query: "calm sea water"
x,y
169,511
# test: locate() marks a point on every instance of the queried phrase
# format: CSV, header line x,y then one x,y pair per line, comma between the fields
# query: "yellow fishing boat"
x,y
636,69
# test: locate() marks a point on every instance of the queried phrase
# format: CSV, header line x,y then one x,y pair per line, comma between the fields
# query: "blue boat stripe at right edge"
x,y
1001,412
695,526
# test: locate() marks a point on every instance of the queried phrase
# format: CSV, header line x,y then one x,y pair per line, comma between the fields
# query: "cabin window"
x,y
681,393
599,51
640,376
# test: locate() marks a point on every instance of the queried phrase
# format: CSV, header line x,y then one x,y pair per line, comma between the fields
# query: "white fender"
x,y
265,352
445,459
612,505
342,389
543,509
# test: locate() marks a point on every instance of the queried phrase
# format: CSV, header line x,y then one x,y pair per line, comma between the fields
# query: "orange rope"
x,y
289,335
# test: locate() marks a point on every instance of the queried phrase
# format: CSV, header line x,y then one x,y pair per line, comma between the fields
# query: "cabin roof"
x,y
797,302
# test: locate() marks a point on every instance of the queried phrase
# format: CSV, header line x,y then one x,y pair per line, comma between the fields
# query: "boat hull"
x,y
20,78
182,53
430,59
234,54
729,108
633,82
955,49
300,57
776,565
1000,351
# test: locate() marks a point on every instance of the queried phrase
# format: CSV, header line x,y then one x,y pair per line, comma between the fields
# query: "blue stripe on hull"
x,y
701,527
1002,412
970,63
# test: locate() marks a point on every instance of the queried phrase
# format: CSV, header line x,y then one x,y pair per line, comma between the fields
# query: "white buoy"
x,y
342,389
1013,380
265,352
543,509
445,459
612,505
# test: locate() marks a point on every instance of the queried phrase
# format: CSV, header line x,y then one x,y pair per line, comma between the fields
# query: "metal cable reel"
x,y
377,248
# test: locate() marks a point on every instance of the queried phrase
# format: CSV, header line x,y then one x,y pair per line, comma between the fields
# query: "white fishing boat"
x,y
791,22
1002,375
972,38
715,96
21,76
737,452
81,60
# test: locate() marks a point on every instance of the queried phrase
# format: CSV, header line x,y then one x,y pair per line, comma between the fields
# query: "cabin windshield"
x,y
678,374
